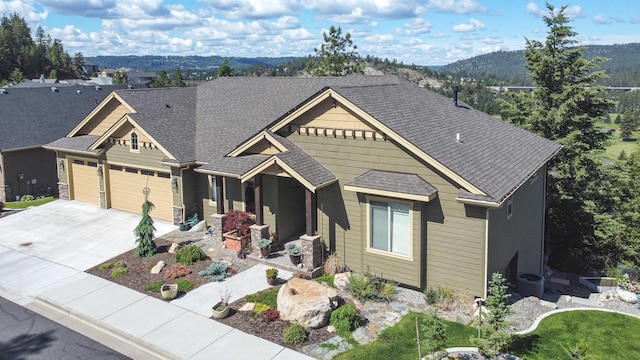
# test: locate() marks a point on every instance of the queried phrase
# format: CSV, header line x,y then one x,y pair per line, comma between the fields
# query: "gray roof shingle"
x,y
393,182
36,116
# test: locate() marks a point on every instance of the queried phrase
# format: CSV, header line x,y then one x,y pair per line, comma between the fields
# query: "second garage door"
x,y
126,185
85,186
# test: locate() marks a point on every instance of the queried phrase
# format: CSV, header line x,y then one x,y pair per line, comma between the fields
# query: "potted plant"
x,y
169,291
236,228
221,309
295,253
265,246
272,276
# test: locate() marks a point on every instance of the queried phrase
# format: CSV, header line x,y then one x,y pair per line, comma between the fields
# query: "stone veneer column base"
x,y
103,200
177,215
63,191
3,193
258,232
311,251
217,224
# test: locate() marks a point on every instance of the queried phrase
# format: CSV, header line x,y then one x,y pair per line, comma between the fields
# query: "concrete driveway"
x,y
72,233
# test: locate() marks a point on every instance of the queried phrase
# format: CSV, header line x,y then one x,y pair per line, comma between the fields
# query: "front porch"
x,y
280,259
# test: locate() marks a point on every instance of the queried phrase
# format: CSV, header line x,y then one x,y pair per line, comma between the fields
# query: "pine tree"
x,y
493,333
434,334
337,55
627,125
225,69
145,229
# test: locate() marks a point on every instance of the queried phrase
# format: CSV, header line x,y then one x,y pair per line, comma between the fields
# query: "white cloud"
x,y
456,6
379,39
473,25
533,9
570,11
352,11
254,9
417,26
601,19
27,11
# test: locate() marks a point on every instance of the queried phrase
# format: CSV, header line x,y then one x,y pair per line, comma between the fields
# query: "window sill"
x,y
390,254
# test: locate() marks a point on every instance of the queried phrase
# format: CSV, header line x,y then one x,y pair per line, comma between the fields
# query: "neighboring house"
x,y
31,116
396,179
90,67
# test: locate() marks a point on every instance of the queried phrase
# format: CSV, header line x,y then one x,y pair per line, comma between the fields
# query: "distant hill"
x,y
623,66
168,63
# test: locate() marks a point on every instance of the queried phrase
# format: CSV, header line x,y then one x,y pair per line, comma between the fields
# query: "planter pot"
x,y
272,281
236,243
183,227
265,252
169,291
218,311
295,259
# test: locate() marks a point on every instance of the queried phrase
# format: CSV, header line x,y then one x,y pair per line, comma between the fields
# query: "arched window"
x,y
134,141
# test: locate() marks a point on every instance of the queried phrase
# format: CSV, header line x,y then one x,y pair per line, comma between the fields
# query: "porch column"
x,y
258,199
310,212
219,197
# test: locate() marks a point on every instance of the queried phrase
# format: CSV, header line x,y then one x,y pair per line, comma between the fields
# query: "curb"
x,y
537,321
132,346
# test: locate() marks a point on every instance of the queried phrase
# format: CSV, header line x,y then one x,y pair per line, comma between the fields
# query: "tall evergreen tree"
x,y
337,56
225,69
627,125
177,81
162,80
564,107
120,78
493,333
145,229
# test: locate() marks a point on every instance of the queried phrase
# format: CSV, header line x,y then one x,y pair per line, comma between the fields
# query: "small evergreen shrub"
x,y
105,266
346,319
119,272
295,334
189,255
177,271
155,287
184,285
215,272
258,310
434,334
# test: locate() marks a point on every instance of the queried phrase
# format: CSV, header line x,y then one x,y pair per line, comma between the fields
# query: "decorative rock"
x,y
331,329
549,304
158,267
201,226
174,247
249,306
341,281
299,266
307,302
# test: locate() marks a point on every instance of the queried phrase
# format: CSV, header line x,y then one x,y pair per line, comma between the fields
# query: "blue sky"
x,y
427,32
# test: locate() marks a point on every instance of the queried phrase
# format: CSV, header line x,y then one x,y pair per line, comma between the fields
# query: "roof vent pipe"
x,y
54,89
456,89
3,91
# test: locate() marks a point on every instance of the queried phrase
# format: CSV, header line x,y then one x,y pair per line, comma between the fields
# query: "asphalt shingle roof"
x,y
36,116
78,143
394,182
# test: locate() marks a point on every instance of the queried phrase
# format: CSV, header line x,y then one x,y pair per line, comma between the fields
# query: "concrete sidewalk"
x,y
65,238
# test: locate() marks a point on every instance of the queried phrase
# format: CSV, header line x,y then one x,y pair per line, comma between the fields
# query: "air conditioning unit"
x,y
530,285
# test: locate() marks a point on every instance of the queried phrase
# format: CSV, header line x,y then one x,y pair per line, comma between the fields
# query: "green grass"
x,y
608,336
399,341
25,204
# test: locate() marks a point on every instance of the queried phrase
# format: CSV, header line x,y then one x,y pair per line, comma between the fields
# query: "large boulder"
x,y
307,302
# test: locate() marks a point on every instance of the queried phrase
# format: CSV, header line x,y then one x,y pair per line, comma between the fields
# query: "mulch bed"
x,y
270,330
140,276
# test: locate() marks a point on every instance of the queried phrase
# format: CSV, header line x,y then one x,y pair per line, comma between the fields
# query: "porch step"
x,y
280,260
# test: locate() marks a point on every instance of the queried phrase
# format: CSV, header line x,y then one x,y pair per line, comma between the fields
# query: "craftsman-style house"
x,y
391,176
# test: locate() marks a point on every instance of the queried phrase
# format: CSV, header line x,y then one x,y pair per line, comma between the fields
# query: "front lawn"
x,y
13,205
399,341
608,336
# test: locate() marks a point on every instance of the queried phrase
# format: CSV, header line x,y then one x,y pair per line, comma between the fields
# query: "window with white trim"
x,y
390,227
134,142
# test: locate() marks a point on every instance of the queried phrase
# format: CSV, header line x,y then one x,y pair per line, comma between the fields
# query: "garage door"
x,y
127,183
85,186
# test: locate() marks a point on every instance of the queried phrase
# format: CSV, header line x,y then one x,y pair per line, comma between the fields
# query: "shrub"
x,y
189,255
184,285
119,272
333,265
105,266
177,271
265,243
371,287
326,279
240,221
434,334
295,334
258,310
155,287
271,273
446,298
346,319
27,198
271,315
215,272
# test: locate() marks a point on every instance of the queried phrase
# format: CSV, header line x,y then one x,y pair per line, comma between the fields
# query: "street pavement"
x,y
25,335
44,252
